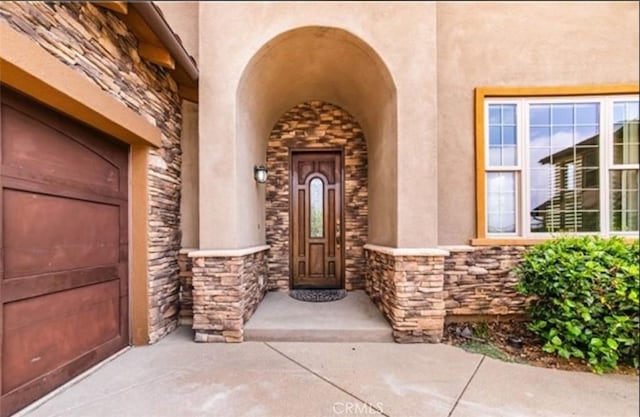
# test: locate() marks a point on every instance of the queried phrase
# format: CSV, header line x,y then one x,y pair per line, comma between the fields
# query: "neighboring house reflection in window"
x,y
561,165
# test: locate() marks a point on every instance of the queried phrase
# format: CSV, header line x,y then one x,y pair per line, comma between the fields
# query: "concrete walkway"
x,y
177,377
280,318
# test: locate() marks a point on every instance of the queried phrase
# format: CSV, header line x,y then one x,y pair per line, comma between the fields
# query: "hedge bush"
x,y
585,298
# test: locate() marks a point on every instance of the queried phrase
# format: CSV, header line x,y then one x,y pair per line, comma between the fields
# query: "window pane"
x,y
587,136
538,198
561,138
509,135
632,110
509,114
316,207
539,136
624,200
624,179
507,202
625,132
625,110
588,157
495,117
619,112
502,133
562,114
589,199
589,177
494,156
539,157
539,114
541,179
539,221
509,155
587,114
494,135
625,143
501,198
563,175
625,154
624,221
588,221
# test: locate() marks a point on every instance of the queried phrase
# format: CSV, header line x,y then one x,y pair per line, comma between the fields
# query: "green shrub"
x,y
585,298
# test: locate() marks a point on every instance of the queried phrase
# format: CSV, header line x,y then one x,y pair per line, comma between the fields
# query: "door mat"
x,y
318,296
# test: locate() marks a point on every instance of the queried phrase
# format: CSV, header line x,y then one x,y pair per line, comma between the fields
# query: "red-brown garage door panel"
x,y
38,152
43,332
49,233
63,249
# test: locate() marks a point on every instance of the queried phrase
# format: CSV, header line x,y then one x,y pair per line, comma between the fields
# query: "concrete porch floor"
x,y
280,318
177,377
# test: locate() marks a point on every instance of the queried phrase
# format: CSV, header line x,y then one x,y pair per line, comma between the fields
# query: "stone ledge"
x,y
187,251
458,248
227,253
406,251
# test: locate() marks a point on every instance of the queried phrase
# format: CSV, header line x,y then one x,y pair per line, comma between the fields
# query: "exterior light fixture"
x,y
260,174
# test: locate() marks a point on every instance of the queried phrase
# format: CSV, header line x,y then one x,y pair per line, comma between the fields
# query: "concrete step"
x,y
280,318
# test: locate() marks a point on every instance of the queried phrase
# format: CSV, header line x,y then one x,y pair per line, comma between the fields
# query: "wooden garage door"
x,y
63,249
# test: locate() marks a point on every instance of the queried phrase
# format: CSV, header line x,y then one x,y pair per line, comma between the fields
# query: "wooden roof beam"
x,y
157,55
115,6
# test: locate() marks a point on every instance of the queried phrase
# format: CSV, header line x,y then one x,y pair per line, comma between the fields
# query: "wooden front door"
x,y
63,249
316,214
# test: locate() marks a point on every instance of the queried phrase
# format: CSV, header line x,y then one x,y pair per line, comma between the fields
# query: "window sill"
x,y
522,241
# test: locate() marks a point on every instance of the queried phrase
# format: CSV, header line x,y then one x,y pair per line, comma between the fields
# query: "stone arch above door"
x,y
316,125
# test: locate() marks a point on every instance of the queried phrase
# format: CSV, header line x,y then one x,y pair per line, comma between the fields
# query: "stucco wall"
x,y
98,45
395,78
516,44
189,218
182,17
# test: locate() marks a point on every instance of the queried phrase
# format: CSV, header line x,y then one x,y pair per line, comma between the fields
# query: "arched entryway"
x,y
308,73
329,65
323,129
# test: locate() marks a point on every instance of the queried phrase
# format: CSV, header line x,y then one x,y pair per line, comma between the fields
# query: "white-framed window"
x,y
558,165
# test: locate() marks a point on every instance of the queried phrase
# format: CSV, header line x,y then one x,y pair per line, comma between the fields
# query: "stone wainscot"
x,y
228,285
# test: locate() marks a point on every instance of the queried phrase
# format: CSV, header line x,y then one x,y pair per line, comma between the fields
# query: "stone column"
x,y
407,286
228,285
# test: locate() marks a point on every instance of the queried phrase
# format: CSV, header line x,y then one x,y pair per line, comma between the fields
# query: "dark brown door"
x,y
64,246
316,212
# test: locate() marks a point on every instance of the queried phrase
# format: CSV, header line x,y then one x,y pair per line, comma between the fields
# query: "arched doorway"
x,y
302,65
329,65
319,132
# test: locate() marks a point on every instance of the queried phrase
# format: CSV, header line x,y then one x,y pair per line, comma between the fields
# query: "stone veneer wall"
x,y
479,281
409,292
226,293
316,124
96,43
186,287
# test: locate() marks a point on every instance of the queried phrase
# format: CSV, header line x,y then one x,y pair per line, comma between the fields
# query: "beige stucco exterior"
x,y
520,45
182,16
371,68
407,71
190,176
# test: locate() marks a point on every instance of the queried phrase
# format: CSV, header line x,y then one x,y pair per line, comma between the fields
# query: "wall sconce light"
x,y
260,174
